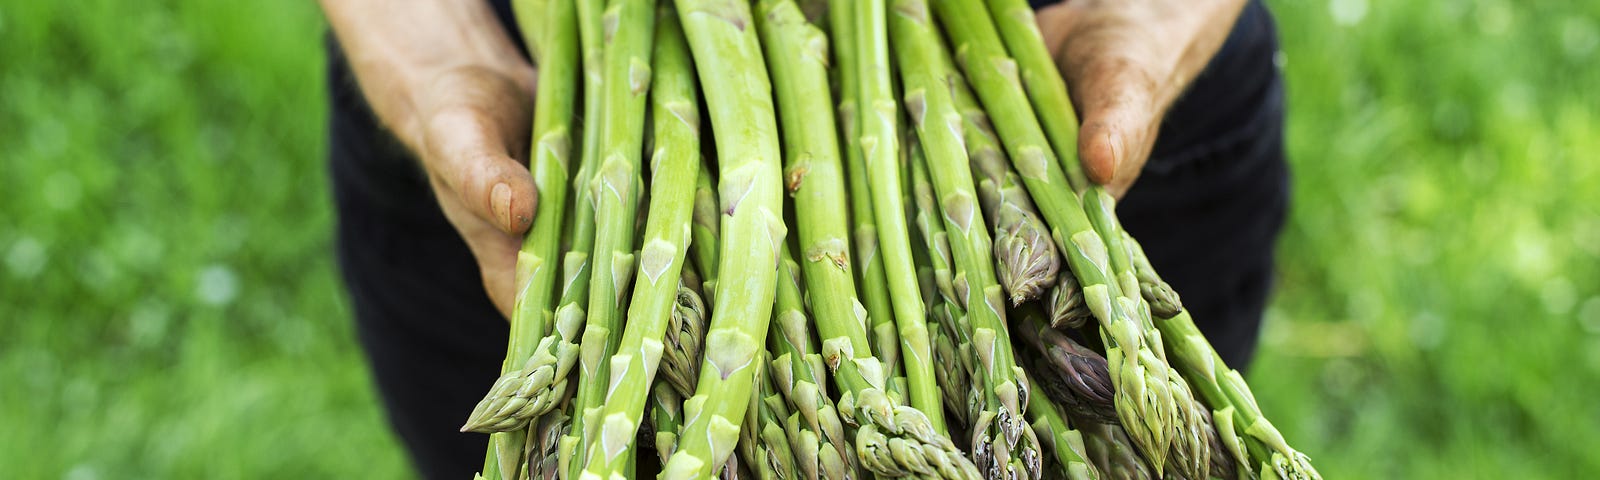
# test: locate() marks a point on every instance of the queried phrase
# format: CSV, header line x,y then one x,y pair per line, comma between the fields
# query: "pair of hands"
x,y
445,77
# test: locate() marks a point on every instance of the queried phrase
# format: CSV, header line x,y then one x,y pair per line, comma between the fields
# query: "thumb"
x,y
1120,120
472,159
469,136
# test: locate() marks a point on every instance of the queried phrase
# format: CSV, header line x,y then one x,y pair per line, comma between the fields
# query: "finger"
x,y
471,160
473,136
1117,97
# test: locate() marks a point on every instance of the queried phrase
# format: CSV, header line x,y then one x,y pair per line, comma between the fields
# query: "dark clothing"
x,y
1210,203
1207,208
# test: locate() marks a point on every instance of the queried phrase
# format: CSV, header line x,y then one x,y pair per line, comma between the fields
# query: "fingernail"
x,y
1116,155
500,202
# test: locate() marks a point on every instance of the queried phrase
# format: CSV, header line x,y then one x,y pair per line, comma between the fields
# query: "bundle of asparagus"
x,y
858,346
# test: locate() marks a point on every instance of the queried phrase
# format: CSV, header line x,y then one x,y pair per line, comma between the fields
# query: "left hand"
x,y
1125,62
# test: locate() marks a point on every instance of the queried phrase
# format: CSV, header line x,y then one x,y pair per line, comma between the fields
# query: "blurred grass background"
x,y
169,306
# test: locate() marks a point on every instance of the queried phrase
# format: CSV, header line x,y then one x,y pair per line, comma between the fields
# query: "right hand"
x,y
444,76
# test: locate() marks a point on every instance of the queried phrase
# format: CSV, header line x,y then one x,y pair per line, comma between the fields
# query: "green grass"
x,y
1439,310
169,306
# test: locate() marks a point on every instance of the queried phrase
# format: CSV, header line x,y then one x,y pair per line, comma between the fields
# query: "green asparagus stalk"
x,y
592,47
530,16
666,416
1243,430
878,139
763,445
1029,263
797,370
930,224
1112,452
878,451
1144,398
674,166
728,58
797,56
576,264
703,233
885,344
1062,440
952,344
1189,449
536,261
627,76
1007,440
1042,80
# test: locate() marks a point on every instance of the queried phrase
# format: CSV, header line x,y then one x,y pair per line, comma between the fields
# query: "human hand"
x,y
472,137
1125,62
446,79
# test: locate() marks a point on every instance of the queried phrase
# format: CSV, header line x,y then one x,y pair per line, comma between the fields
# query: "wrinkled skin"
x,y
1125,62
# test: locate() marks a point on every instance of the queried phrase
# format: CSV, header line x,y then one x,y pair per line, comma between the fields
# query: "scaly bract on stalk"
x,y
729,63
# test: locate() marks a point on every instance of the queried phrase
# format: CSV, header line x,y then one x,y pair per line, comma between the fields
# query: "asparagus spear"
x,y
1042,80
763,445
530,16
674,166
728,58
880,151
680,363
797,371
930,223
1008,441
797,56
1029,263
536,261
1144,400
1062,440
952,343
630,26
885,344
1189,448
1112,452
815,434
1243,430
576,266
703,233
666,415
